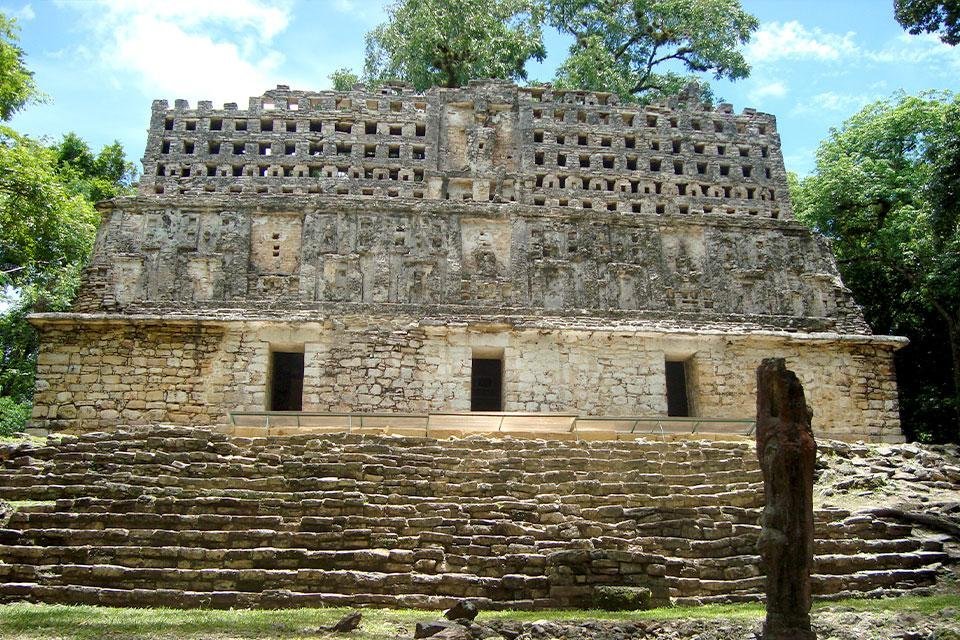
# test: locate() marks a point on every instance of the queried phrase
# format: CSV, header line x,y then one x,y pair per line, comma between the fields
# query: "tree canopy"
x,y
885,191
16,81
48,225
929,16
343,79
441,43
627,46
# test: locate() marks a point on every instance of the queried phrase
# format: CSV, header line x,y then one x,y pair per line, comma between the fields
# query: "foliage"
x,y
106,175
885,191
48,224
13,416
919,16
343,79
436,42
627,47
16,81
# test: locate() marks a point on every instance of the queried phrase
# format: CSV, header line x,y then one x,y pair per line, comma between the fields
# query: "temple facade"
x,y
489,248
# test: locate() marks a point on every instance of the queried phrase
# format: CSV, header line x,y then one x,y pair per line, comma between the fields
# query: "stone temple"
x,y
489,248
475,256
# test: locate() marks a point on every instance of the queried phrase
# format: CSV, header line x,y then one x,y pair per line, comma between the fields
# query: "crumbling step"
x,y
459,585
427,561
224,599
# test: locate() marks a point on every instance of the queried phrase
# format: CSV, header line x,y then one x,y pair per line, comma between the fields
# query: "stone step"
x,y
450,453
427,561
843,565
490,546
346,465
459,585
871,580
223,599
745,544
129,489
481,486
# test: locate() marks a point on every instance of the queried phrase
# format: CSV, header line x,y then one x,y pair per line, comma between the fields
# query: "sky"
x,y
101,62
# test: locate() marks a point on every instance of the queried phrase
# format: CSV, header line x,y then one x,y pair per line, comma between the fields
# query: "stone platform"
x,y
186,517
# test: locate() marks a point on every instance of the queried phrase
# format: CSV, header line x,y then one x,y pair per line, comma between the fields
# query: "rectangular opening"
x,y
678,403
486,384
286,381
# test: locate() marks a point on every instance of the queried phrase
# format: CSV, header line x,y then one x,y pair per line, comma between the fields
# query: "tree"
x,y
437,42
16,82
343,79
627,47
927,16
885,191
106,175
47,226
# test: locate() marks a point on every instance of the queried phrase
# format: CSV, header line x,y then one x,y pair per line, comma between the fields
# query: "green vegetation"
x,y
627,46
16,81
24,620
13,415
49,223
343,79
929,16
638,49
440,43
885,191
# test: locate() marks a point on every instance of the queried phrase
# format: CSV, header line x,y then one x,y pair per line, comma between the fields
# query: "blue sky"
x,y
101,62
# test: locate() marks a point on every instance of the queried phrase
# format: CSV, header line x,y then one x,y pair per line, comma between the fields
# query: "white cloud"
x,y
775,41
833,102
926,49
367,11
220,50
775,89
23,14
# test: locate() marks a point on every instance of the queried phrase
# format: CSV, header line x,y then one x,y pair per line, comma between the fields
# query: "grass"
x,y
28,621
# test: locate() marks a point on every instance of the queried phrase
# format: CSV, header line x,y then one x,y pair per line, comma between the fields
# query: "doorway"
x,y
286,381
486,384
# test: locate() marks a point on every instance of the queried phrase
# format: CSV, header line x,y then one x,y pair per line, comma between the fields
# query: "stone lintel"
x,y
441,325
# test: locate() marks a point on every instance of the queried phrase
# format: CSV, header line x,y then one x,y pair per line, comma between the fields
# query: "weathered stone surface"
x,y
347,623
392,236
463,610
787,453
432,628
188,517
621,598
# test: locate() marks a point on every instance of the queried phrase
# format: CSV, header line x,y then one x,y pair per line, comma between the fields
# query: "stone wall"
x,y
391,236
97,375
491,141
203,254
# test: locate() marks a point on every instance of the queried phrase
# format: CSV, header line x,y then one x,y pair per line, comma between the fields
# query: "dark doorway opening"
x,y
677,400
486,385
286,383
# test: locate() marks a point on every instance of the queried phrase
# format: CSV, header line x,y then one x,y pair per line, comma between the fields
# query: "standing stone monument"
x,y
787,453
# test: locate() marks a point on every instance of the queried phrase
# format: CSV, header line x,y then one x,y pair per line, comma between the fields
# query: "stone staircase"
x,y
193,518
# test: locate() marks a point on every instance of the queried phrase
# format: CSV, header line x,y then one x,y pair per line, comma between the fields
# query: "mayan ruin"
x,y
493,248
533,296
